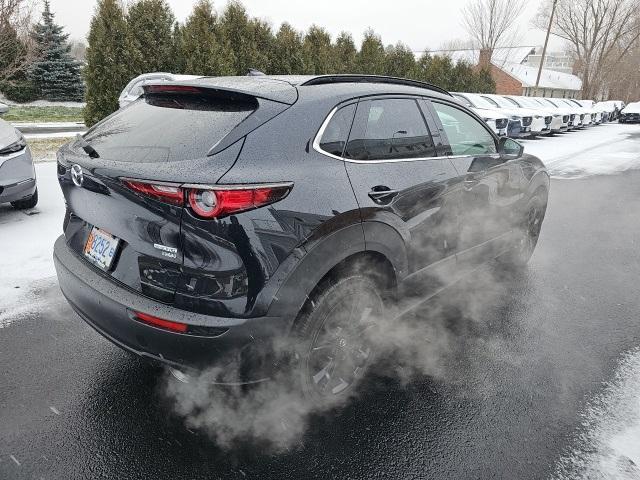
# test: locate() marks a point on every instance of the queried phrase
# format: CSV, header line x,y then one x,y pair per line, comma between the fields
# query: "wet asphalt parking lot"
x,y
506,403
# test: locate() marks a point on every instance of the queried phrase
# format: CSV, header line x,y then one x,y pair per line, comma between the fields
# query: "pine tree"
x,y
371,58
177,50
56,74
287,57
399,61
150,24
345,53
204,47
235,27
318,52
110,60
264,41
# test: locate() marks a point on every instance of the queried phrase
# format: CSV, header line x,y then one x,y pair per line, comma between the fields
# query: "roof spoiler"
x,y
229,91
350,78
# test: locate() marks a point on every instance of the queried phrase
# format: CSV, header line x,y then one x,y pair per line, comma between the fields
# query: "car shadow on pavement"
x,y
131,424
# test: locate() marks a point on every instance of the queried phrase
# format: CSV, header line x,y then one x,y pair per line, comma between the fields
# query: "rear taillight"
x,y
167,193
214,203
210,202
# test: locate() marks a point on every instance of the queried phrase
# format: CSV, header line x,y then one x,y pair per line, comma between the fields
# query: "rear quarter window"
x,y
165,128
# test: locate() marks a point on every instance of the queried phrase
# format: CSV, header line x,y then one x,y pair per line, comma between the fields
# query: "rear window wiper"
x,y
86,147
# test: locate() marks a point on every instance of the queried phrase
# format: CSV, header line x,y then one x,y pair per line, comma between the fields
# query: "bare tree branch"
x,y
490,23
17,49
601,33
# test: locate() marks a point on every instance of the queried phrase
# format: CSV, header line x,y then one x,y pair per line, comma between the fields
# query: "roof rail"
x,y
351,78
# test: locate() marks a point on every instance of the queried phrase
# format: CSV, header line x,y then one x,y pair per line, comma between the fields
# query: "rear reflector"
x,y
161,323
195,330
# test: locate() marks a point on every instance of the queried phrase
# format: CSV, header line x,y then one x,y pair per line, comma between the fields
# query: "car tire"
x,y
334,333
26,203
527,234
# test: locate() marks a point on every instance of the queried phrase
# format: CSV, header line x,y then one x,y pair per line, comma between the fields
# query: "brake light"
x,y
171,89
161,323
172,194
221,202
212,201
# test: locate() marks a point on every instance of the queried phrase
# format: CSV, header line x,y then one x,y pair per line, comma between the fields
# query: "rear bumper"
x,y
107,307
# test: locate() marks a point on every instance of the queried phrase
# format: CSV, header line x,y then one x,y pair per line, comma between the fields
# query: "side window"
x,y
389,129
467,136
336,133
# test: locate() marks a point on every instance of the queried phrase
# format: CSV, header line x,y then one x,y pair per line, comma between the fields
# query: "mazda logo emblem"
x,y
77,176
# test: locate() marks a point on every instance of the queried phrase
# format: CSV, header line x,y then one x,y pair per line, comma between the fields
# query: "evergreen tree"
x,y
484,82
399,61
318,52
56,74
109,60
264,41
236,28
177,50
150,24
371,58
204,47
345,53
287,57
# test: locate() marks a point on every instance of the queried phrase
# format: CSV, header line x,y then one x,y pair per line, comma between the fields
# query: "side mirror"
x,y
508,146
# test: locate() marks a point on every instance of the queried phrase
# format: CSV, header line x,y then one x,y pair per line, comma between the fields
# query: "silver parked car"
x,y
17,173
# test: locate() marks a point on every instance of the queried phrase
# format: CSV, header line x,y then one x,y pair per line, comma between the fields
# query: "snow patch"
x,y
610,444
26,247
606,149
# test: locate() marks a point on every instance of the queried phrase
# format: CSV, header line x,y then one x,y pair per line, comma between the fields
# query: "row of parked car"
x,y
525,117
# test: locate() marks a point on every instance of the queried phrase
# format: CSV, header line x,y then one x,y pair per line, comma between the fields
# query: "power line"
x,y
441,50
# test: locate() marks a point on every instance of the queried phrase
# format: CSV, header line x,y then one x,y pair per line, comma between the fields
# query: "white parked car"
x,y
539,125
596,113
588,113
3,108
552,119
134,89
565,113
496,120
17,173
518,126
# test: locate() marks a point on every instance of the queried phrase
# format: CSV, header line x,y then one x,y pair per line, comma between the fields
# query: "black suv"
x,y
215,217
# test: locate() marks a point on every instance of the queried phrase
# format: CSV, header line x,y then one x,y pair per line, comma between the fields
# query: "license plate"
x,y
101,248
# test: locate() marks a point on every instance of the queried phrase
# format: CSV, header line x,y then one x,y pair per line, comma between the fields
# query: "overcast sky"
x,y
421,24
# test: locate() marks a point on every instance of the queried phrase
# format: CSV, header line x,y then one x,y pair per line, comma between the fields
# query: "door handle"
x,y
382,195
470,182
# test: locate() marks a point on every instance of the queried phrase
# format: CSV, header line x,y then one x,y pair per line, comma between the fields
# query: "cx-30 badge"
x,y
77,176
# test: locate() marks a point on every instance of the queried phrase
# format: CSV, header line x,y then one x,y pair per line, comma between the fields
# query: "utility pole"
x,y
546,41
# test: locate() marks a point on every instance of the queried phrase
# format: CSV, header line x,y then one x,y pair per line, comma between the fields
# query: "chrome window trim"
x,y
323,127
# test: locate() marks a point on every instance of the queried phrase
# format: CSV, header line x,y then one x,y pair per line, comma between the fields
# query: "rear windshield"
x,y
167,128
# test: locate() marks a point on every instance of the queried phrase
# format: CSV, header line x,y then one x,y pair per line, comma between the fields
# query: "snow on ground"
x,y
609,447
42,103
69,135
26,246
599,150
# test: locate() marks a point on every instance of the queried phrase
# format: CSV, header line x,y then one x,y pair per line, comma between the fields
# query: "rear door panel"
x,y
422,209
